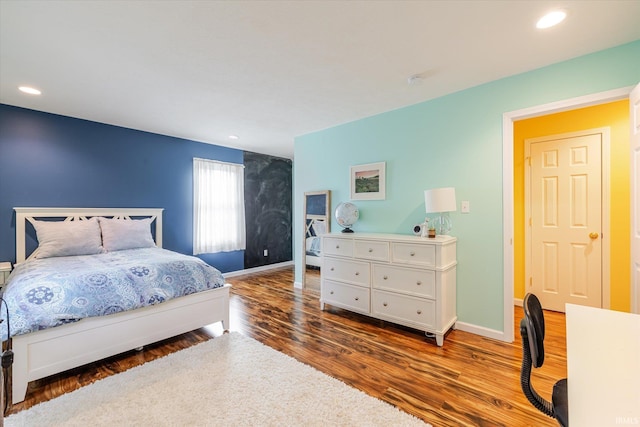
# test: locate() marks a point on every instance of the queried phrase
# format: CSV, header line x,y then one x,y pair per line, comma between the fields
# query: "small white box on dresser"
x,y
408,280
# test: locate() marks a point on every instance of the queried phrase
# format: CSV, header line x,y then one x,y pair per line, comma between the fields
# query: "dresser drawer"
x,y
414,254
372,250
350,297
403,309
345,270
421,283
338,247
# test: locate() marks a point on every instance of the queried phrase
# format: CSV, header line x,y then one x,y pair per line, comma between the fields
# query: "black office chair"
x,y
532,332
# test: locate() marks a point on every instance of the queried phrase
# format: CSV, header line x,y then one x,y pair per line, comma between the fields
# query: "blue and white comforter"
x,y
43,293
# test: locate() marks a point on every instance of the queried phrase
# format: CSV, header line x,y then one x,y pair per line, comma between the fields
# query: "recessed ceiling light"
x,y
29,90
234,137
551,19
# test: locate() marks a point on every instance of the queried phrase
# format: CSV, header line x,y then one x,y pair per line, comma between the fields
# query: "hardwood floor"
x,y
470,381
312,280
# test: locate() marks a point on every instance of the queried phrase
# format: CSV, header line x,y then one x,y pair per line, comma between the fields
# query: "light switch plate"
x,y
464,206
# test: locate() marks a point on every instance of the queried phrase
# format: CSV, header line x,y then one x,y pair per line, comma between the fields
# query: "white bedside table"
x,y
5,270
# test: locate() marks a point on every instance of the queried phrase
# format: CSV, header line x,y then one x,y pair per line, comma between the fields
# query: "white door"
x,y
565,226
634,102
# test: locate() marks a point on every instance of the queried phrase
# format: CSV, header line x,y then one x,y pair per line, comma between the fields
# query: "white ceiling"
x,y
269,71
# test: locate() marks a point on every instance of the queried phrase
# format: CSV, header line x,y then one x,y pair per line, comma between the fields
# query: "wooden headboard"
x,y
75,214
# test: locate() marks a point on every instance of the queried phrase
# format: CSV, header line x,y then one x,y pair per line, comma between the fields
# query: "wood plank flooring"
x,y
470,381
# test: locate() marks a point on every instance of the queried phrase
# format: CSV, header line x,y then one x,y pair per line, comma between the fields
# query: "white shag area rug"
x,y
230,380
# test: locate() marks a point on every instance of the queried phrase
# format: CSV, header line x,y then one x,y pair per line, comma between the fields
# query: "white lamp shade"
x,y
440,200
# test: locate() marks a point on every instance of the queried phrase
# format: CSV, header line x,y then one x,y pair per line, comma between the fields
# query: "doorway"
x,y
566,184
509,226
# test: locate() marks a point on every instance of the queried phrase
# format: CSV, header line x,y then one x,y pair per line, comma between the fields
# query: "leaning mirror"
x,y
317,205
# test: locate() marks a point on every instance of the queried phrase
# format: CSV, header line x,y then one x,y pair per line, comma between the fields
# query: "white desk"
x,y
603,367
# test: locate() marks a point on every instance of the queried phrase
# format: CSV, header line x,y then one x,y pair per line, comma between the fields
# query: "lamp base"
x,y
443,223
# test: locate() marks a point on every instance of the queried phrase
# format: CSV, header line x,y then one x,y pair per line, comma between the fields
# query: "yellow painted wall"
x,y
614,115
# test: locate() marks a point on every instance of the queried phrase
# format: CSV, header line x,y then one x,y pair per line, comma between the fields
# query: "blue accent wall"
x,y
57,161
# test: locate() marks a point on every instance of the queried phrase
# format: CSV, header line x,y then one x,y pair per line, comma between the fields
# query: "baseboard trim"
x,y
297,285
482,331
257,269
517,302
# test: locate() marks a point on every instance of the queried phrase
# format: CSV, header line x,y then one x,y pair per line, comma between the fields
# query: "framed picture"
x,y
368,182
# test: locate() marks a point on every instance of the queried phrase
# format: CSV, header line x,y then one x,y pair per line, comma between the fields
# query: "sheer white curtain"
x,y
218,211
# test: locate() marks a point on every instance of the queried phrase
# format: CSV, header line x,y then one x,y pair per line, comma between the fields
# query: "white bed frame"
x,y
47,352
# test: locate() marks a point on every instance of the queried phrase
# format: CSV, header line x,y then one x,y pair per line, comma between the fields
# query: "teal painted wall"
x,y
455,140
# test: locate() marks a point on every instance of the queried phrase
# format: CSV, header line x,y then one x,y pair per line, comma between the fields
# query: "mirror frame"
x,y
327,218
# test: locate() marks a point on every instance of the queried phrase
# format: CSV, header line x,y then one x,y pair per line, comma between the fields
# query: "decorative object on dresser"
x,y
346,215
426,229
403,279
418,229
368,182
441,201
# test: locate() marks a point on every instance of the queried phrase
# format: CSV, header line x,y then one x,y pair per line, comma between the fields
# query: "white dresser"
x,y
408,280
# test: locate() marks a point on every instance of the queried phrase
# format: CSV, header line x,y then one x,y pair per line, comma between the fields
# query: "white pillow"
x,y
67,238
120,234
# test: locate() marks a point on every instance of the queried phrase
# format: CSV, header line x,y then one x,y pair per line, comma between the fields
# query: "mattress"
x,y
45,293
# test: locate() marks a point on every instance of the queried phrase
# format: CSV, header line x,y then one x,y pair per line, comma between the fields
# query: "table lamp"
x,y
441,201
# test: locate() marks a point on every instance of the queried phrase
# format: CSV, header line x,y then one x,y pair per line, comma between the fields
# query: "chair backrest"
x,y
534,322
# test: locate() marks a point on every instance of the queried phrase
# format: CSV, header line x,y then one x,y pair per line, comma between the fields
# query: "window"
x,y
218,211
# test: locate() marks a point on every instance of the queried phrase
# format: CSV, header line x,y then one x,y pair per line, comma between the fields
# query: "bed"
x,y
75,339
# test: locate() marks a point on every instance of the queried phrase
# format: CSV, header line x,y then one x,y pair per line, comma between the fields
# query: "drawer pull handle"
x,y
357,273
370,250
357,298
412,253
384,304
331,292
418,283
332,268
419,311
385,277
337,246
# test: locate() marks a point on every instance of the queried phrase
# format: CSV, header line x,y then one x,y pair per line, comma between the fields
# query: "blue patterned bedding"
x,y
43,293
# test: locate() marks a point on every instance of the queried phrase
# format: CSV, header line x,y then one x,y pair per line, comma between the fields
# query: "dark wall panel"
x,y
268,193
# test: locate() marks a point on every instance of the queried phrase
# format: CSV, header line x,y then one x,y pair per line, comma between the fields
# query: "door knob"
x,y
593,235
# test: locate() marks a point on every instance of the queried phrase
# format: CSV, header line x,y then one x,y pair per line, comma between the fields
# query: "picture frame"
x,y
368,181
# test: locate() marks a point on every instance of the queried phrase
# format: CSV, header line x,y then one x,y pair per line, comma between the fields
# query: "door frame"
x,y
605,206
634,98
508,119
